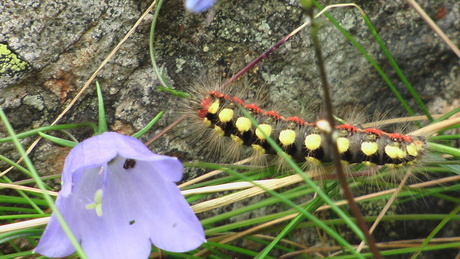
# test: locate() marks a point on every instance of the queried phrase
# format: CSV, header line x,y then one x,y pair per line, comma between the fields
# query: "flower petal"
x,y
156,205
103,148
138,202
198,6
111,235
100,236
54,242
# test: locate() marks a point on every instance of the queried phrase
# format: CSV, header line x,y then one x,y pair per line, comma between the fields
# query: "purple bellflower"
x,y
198,6
117,198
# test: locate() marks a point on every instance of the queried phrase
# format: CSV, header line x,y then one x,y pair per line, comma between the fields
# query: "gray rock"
x,y
49,50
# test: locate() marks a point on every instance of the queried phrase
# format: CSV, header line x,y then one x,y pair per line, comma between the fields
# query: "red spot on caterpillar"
x,y
374,131
347,127
407,138
217,94
274,115
204,105
238,100
254,108
296,120
399,137
202,113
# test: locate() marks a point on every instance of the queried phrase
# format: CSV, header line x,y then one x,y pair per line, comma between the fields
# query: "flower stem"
x,y
332,139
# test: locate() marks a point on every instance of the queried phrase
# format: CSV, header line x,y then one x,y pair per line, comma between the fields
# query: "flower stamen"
x,y
97,203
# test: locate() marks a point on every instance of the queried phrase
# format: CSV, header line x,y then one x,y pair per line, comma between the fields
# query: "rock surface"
x,y
48,50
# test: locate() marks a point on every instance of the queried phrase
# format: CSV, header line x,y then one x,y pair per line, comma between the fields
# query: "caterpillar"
x,y
303,141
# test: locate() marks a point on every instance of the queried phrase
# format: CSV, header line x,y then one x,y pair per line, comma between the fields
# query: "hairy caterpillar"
x,y
302,140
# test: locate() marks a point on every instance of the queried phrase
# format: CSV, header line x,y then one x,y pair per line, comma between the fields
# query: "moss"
x,y
10,63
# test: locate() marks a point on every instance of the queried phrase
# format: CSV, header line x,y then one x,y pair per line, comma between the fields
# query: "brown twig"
x,y
331,139
168,128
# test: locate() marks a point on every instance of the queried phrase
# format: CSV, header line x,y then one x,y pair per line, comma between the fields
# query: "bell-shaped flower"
x,y
198,6
118,198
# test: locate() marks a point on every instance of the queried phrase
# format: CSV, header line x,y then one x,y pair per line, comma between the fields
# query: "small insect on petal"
x,y
129,163
198,6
